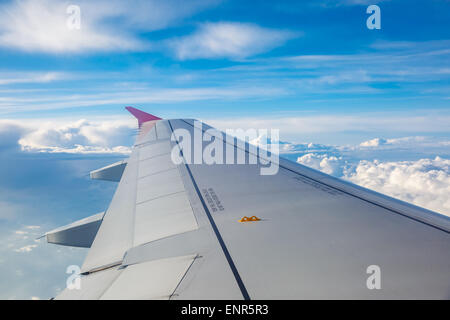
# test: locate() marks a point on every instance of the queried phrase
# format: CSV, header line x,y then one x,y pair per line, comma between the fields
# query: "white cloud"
x,y
422,181
329,164
425,182
230,40
42,25
139,96
373,143
405,141
79,136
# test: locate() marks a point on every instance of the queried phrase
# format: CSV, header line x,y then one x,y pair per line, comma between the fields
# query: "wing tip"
x,y
141,116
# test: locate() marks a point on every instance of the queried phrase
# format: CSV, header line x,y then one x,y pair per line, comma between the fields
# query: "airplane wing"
x,y
190,230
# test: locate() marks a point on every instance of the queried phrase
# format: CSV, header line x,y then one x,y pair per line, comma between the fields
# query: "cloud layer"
x,y
82,136
377,164
423,182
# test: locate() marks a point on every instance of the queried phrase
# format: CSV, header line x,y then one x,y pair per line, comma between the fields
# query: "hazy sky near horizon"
x,y
368,106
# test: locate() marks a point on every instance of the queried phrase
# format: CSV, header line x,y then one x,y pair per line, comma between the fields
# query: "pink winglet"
x,y
141,116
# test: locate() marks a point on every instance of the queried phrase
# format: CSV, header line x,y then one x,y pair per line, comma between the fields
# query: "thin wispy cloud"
x,y
104,25
389,75
7,78
136,96
42,26
229,40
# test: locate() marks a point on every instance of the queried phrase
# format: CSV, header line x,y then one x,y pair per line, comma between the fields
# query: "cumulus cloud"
x,y
42,25
10,133
228,40
329,164
373,143
80,136
425,182
422,181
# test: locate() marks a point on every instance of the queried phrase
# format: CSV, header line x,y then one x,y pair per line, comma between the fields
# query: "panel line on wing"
x,y
163,196
147,143
233,268
184,276
155,156
156,172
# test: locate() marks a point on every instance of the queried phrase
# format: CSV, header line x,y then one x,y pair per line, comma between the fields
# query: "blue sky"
x,y
369,106
224,59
